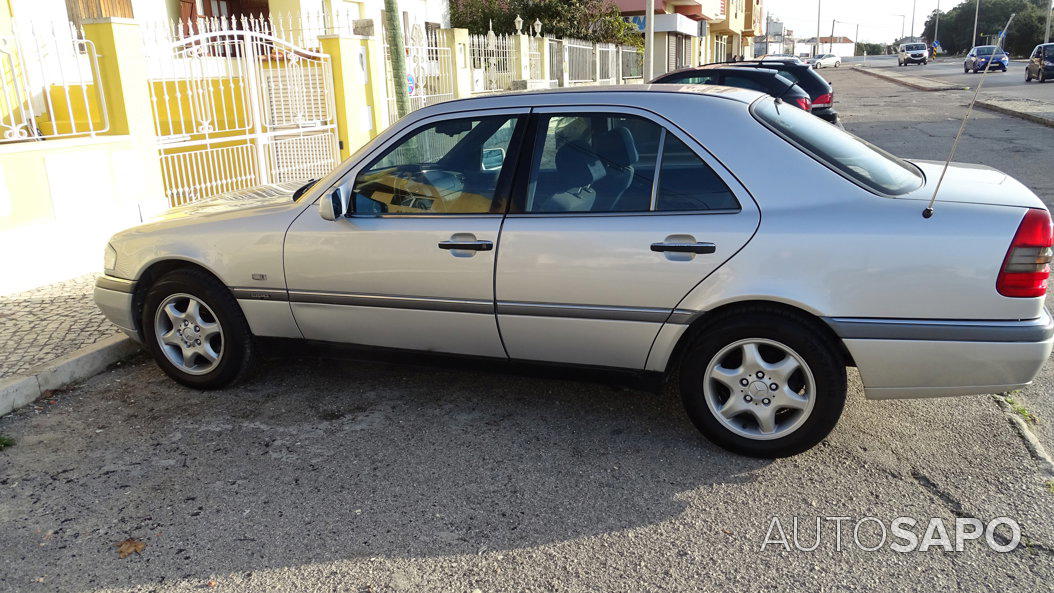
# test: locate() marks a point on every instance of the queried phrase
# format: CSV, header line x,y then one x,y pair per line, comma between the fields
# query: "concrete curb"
x,y
21,390
1041,118
1036,448
915,82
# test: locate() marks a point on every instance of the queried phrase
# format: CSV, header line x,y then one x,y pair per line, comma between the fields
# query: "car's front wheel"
x,y
763,384
196,331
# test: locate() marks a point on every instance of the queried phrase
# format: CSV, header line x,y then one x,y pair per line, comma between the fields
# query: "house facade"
x,y
842,47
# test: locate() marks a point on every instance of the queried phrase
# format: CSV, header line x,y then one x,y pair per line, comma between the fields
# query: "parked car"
x,y
979,57
626,228
1040,63
912,53
821,91
825,61
765,80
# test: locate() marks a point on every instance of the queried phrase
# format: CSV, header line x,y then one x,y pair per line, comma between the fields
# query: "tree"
x,y
871,49
956,25
592,20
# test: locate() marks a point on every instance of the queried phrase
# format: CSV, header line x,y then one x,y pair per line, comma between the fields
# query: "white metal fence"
x,y
607,63
238,108
581,61
430,77
631,63
50,85
491,60
556,62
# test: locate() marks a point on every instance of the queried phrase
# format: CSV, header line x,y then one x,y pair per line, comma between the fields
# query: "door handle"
x,y
678,247
467,245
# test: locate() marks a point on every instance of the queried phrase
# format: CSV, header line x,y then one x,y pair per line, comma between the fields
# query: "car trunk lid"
x,y
973,184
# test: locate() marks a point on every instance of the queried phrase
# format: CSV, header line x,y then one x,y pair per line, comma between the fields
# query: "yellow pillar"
x,y
125,88
377,83
521,50
457,41
123,72
355,125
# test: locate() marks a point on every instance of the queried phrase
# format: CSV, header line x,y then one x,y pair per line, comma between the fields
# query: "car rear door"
x,y
598,250
413,266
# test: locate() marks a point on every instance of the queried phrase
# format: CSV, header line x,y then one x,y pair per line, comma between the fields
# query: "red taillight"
x,y
824,99
803,103
1026,266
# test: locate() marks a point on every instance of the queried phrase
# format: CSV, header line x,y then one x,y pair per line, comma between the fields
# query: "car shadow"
x,y
322,459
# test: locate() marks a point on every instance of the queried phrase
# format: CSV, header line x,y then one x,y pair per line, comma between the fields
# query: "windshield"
x,y
856,159
1048,51
986,50
914,47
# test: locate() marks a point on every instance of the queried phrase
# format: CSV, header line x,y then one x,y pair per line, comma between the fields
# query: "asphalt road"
x,y
337,475
1010,84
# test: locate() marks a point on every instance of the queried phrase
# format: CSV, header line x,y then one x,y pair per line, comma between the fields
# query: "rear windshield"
x,y
854,158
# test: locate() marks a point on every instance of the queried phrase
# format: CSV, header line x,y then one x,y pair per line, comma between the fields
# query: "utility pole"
x,y
936,25
902,17
649,41
976,12
1050,9
397,46
816,48
912,32
830,46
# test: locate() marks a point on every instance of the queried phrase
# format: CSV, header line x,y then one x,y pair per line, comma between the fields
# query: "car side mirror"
x,y
493,159
334,205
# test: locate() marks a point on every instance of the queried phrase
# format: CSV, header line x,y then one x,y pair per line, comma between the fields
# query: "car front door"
x,y
1035,62
413,265
621,216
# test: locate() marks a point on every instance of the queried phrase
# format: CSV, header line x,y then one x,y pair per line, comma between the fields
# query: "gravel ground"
x,y
342,475
40,325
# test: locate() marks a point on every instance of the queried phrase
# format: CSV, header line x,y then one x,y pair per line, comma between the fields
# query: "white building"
x,y
840,46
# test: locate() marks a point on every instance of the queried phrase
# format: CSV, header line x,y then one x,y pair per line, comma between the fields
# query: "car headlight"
x,y
109,259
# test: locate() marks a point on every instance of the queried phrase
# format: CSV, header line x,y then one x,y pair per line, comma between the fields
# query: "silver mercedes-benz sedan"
x,y
708,235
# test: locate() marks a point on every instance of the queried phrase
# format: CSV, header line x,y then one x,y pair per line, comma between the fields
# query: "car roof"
x,y
602,93
722,66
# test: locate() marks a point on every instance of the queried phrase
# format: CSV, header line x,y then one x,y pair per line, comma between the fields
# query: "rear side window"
x,y
743,82
854,158
687,183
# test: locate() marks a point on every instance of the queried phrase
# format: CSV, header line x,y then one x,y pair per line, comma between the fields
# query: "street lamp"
x,y
913,2
816,48
976,12
902,17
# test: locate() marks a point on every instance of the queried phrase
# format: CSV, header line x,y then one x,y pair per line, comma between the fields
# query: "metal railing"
x,y
607,66
581,64
631,64
491,60
430,77
50,84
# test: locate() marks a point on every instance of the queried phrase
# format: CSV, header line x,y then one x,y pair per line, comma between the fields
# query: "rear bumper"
x,y
827,114
913,358
113,296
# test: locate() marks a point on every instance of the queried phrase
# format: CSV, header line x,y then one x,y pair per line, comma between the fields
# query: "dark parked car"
x,y
766,80
1041,63
979,57
802,75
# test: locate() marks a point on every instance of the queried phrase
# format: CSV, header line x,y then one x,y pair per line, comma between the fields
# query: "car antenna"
x,y
928,212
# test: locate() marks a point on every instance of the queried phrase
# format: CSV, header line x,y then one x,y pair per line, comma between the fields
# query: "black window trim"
x,y
517,205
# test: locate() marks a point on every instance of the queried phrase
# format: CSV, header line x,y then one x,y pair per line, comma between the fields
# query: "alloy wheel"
x,y
189,334
759,389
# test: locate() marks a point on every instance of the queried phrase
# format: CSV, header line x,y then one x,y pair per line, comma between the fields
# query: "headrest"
x,y
617,147
577,166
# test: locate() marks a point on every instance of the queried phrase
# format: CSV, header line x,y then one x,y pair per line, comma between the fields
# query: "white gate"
x,y
235,109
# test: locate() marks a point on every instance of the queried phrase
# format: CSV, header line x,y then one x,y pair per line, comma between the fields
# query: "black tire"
x,y
238,351
1042,76
809,343
1028,76
966,70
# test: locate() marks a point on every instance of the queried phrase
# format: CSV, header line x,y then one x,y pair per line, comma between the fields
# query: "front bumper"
x,y
114,296
915,60
919,358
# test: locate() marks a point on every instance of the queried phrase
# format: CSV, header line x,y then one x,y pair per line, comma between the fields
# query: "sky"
x,y
879,19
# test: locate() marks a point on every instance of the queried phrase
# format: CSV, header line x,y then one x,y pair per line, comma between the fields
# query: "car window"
x,y
868,165
688,183
694,78
449,167
1048,51
740,81
593,163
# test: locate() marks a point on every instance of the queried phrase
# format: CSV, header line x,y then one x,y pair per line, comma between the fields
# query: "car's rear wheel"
x,y
1042,76
763,384
196,331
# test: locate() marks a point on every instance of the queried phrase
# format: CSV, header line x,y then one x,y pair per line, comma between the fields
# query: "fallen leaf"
x,y
213,584
727,531
125,548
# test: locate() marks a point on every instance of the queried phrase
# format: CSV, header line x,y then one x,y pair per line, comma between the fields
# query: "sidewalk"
x,y
40,325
